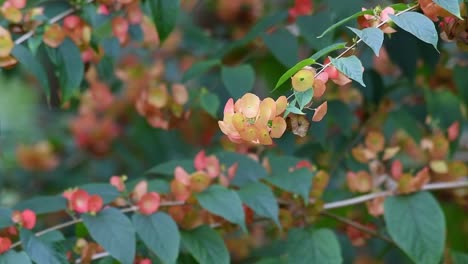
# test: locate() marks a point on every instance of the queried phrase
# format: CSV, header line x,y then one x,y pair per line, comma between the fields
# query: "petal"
x,y
229,107
319,88
278,126
281,104
320,112
250,104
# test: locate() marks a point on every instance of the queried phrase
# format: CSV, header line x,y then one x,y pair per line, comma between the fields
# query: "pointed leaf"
x,y
164,14
453,6
199,68
283,45
417,224
351,67
238,80
419,25
298,181
261,200
373,37
70,67
223,202
206,245
160,234
40,251
303,98
313,246
114,232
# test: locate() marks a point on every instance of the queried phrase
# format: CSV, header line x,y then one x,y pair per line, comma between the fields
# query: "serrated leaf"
x,y
418,25
303,98
223,202
345,20
298,182
210,103
313,246
283,45
33,66
114,232
13,257
205,245
453,6
160,234
164,14
238,80
107,192
417,225
293,70
261,200
351,67
199,68
373,37
39,251
43,204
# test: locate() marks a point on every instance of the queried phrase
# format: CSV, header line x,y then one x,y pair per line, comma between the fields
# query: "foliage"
x,y
163,131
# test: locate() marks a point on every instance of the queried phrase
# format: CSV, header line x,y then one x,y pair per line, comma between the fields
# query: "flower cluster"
x,y
208,169
25,218
254,121
378,17
147,202
80,201
37,157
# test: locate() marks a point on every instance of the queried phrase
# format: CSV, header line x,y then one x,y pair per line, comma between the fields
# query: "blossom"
x,y
5,244
149,203
26,218
82,202
118,182
251,120
377,18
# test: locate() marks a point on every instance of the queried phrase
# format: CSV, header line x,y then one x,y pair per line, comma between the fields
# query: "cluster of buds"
x,y
25,218
157,105
254,121
37,157
208,169
379,16
148,202
80,201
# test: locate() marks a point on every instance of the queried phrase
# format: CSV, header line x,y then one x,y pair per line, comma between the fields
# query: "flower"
x,y
26,218
149,203
118,182
251,120
82,202
5,244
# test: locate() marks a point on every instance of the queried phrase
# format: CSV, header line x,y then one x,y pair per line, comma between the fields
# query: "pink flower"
x,y
149,203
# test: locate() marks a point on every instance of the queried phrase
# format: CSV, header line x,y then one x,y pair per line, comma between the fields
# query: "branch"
x,y
359,40
54,19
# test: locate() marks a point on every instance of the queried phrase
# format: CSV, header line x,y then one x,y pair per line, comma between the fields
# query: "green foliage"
x,y
107,192
248,170
223,202
283,45
199,68
298,182
39,251
453,6
293,70
160,234
209,102
345,20
417,224
14,257
313,246
238,80
164,14
5,217
114,232
43,204
261,200
351,66
418,25
373,37
205,245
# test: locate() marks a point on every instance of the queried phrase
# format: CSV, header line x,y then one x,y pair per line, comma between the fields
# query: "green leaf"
x,y
53,236
373,37
164,14
401,119
248,170
303,98
444,107
200,68
114,232
159,186
43,204
298,181
13,257
206,245
293,70
5,217
293,109
261,200
457,257
419,25
238,80
223,202
461,80
160,234
40,251
416,223
283,45
33,66
70,68
351,67
311,26
107,192
346,20
453,6
167,168
313,246
210,103
327,50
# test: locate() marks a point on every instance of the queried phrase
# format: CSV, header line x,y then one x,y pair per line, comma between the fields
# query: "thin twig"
x,y
54,19
358,226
